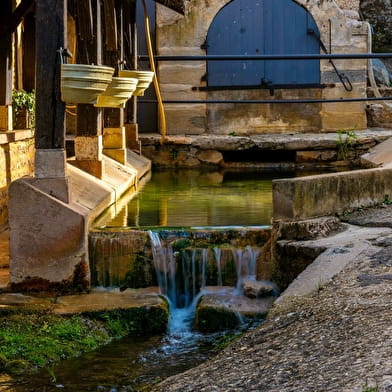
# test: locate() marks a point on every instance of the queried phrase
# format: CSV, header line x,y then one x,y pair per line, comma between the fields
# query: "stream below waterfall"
x,y
129,363
171,199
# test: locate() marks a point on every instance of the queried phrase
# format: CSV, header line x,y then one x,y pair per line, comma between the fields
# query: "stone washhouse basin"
x,y
81,83
144,79
117,93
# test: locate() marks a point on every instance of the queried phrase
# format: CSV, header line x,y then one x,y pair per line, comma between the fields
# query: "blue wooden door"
x,y
262,27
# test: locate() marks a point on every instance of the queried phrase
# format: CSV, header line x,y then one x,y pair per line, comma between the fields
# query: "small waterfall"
x,y
204,258
246,265
189,264
252,261
218,258
238,259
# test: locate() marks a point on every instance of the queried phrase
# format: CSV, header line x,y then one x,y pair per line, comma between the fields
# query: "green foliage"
x,y
39,340
368,388
22,100
226,339
345,143
387,200
29,341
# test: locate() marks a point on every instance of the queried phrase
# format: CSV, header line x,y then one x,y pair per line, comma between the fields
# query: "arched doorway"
x,y
252,27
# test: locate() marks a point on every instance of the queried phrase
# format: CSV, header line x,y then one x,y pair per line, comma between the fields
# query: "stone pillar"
x,y
5,118
114,144
48,231
114,130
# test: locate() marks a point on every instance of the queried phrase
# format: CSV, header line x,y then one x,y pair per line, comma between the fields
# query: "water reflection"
x,y
178,198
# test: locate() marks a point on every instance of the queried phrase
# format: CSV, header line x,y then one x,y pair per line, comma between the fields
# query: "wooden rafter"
x,y
20,11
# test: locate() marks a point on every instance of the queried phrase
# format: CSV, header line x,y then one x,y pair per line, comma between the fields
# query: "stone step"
x,y
272,141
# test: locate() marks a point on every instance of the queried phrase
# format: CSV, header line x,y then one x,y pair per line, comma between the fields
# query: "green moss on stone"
x,y
212,319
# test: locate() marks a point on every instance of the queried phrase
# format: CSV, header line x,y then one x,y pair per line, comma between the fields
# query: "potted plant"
x,y
23,106
82,83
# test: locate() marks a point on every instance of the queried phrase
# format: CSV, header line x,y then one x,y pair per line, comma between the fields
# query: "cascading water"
x,y
184,275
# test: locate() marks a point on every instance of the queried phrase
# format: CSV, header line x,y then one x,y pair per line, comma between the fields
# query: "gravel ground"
x,y
338,338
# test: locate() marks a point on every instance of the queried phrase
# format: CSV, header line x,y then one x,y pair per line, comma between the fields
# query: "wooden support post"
x,y
131,126
50,157
88,140
114,131
50,36
5,66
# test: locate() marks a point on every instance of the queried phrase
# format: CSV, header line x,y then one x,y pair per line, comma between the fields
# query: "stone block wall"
x,y
16,160
348,4
184,35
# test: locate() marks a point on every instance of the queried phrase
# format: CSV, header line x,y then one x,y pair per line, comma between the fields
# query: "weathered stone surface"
x,y
306,229
381,155
380,216
348,4
379,115
88,147
328,194
182,119
118,154
114,137
50,163
224,310
5,118
313,149
48,247
316,156
93,167
256,289
101,300
210,156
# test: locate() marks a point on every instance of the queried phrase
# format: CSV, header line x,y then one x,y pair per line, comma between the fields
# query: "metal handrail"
x,y
222,57
252,101
328,56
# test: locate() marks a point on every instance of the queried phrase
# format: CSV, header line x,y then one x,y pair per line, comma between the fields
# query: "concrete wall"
x,y
184,35
323,195
16,160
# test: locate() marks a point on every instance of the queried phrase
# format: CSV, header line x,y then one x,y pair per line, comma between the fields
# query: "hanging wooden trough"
x,y
82,83
144,79
118,92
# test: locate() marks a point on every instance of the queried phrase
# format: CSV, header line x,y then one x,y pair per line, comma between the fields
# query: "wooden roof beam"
x,y
20,11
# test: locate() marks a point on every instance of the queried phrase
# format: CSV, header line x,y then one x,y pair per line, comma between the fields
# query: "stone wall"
x,y
184,35
16,160
348,4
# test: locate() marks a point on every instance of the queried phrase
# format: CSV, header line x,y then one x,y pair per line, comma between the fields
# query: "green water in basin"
x,y
186,198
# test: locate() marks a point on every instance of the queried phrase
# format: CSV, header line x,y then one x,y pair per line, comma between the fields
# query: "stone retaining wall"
x,y
331,151
16,160
328,194
184,35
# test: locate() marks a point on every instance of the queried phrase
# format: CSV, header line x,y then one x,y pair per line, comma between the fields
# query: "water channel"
x,y
172,199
